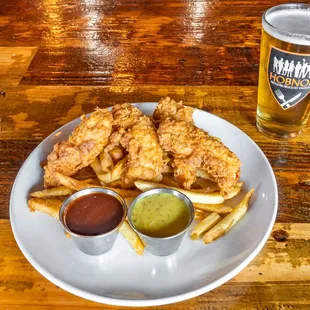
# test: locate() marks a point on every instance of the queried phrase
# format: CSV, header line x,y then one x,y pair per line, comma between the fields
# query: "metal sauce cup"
x,y
166,245
93,245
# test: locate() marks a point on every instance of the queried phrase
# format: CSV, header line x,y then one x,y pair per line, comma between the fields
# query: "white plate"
x,y
120,277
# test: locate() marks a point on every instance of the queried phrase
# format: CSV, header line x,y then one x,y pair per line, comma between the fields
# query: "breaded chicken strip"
x,y
167,107
125,116
192,148
136,133
64,158
83,146
145,155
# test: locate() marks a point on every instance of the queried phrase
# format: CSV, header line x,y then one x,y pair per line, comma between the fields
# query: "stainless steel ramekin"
x,y
167,245
99,244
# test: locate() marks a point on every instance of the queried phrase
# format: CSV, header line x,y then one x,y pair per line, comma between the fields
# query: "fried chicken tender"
x,y
137,134
64,158
83,146
168,108
192,148
125,116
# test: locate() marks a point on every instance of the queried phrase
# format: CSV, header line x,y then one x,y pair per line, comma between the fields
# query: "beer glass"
x,y
284,73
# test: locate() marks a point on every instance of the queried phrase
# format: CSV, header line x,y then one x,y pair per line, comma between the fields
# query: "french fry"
x,y
169,180
48,206
132,238
59,190
199,214
119,183
71,183
104,177
220,208
167,169
235,191
97,167
118,169
230,220
116,153
52,192
115,174
79,185
106,162
195,197
205,225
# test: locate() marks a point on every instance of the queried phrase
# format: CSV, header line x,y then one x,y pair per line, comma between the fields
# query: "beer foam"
x,y
293,25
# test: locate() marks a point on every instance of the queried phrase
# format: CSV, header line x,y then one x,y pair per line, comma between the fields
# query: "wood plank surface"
x,y
137,42
134,65
62,58
14,62
33,112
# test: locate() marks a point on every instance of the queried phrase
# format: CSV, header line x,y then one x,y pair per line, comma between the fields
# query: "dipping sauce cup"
x,y
161,218
92,217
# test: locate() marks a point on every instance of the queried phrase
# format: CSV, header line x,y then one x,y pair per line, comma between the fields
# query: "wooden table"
x,y
62,58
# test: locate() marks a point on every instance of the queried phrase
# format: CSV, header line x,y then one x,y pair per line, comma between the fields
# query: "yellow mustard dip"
x,y
160,215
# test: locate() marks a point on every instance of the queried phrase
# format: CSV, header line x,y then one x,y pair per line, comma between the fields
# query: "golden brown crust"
x,y
145,155
168,108
125,115
84,144
136,133
193,148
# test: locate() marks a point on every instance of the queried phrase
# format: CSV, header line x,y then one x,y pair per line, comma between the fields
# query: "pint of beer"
x,y
284,74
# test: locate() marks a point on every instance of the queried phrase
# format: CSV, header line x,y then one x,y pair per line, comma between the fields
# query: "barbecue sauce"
x,y
93,214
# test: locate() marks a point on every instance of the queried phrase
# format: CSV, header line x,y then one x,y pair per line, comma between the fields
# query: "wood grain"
x,y
276,271
14,62
137,42
33,112
60,59
134,65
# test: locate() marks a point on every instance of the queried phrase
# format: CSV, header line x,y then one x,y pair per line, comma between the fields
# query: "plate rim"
x,y
156,301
